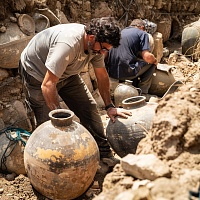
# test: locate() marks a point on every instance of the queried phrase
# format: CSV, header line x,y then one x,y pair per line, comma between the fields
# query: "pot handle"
x,y
139,91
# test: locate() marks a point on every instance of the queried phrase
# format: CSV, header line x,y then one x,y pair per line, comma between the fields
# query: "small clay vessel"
x,y
53,19
26,24
161,81
123,91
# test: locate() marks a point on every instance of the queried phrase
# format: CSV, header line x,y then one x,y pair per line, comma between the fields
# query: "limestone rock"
x,y
144,166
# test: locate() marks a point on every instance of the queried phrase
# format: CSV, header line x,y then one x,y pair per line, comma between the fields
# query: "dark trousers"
x,y
146,75
143,78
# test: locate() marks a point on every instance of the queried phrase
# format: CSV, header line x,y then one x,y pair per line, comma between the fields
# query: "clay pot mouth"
x,y
61,114
61,117
26,24
41,22
133,102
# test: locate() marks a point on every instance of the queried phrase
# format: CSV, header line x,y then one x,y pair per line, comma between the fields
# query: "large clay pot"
x,y
190,40
162,80
61,157
12,43
123,91
125,134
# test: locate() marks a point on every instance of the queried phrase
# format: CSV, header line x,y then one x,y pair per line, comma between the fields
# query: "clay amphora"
x,y
161,81
123,91
125,134
61,157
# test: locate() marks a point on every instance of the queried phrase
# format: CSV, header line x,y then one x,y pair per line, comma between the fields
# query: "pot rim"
x,y
61,110
138,99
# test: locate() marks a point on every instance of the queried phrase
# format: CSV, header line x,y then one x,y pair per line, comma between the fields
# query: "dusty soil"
x,y
175,137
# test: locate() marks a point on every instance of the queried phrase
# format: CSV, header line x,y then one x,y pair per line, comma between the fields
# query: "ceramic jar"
x,y
12,43
123,91
61,157
190,40
125,134
162,79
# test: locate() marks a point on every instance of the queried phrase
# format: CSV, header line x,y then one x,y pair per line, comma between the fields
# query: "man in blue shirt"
x,y
132,59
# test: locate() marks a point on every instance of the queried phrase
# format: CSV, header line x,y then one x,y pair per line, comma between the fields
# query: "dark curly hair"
x,y
105,29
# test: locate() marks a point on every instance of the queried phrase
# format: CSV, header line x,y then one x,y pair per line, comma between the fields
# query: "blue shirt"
x,y
123,61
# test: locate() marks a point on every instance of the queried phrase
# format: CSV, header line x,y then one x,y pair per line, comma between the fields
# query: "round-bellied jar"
x,y
61,157
123,91
125,134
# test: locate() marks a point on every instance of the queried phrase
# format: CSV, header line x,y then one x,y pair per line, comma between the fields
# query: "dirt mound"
x,y
175,135
176,123
175,139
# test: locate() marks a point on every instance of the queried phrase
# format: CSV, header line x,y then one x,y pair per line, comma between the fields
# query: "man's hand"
x,y
114,112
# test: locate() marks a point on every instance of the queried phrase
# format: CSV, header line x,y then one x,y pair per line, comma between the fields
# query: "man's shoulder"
x,y
70,32
134,30
71,25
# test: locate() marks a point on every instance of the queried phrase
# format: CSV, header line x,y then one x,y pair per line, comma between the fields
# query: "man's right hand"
x,y
114,112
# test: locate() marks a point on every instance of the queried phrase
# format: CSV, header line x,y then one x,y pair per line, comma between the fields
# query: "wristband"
x,y
109,106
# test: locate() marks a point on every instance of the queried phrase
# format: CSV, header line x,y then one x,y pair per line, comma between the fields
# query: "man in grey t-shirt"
x,y
50,66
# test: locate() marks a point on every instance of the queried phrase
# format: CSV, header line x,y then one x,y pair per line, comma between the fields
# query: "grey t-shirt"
x,y
61,50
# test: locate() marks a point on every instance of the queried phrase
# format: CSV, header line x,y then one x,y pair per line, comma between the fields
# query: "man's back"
x,y
50,48
133,41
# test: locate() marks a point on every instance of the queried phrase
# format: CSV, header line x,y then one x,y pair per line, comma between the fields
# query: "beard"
x,y
90,45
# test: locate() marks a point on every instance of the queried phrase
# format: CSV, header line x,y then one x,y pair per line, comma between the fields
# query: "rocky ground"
x,y
175,135
174,139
